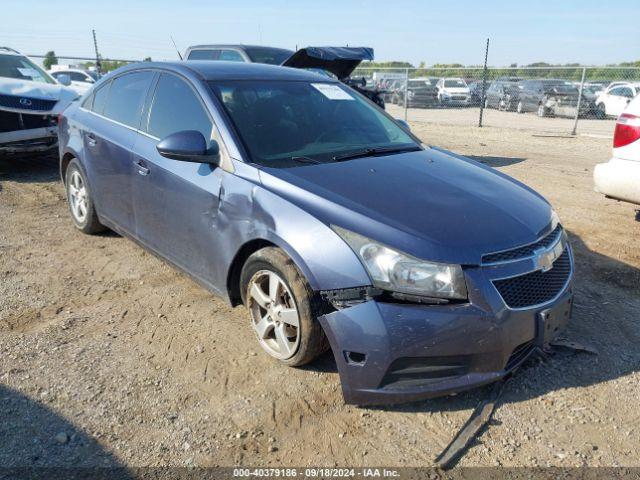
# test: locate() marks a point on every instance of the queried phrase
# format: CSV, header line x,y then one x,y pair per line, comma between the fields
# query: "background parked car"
x,y
30,101
421,93
453,91
475,90
615,98
238,53
549,97
503,94
620,177
81,80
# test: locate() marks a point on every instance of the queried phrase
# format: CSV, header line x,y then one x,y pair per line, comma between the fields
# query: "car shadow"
x,y
606,309
39,443
496,162
29,169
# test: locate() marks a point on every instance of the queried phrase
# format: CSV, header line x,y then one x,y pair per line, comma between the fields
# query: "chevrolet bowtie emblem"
x,y
544,257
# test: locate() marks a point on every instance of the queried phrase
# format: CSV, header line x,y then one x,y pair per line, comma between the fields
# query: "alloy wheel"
x,y
78,197
274,316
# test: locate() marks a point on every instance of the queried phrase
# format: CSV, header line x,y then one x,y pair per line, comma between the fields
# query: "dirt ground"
x,y
110,357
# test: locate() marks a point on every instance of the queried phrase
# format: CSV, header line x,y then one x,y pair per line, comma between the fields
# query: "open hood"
x,y
341,61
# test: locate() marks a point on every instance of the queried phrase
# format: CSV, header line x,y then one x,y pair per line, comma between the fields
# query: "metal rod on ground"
x,y
95,46
484,83
406,91
575,121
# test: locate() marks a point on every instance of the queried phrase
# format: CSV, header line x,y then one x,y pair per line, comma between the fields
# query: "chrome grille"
x,y
524,251
537,287
28,103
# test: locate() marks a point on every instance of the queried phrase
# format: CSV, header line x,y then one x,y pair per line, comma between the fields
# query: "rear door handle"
x,y
91,140
142,168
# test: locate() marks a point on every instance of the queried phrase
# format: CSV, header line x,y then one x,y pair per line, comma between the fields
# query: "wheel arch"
x,y
234,290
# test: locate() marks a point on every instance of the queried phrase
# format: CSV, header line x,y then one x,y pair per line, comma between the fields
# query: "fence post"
x,y
484,83
575,121
406,91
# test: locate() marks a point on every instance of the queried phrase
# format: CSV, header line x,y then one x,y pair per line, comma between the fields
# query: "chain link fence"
x,y
548,100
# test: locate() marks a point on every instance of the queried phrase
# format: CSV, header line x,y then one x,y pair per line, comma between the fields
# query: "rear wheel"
x,y
83,212
281,308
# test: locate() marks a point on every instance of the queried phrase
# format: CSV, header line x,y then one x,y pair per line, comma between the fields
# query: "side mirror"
x,y
404,124
189,146
64,79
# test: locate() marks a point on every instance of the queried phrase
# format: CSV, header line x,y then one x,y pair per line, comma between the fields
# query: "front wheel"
x,y
542,110
83,212
281,308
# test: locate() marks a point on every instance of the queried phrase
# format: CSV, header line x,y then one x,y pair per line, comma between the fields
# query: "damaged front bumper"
x,y
391,352
27,133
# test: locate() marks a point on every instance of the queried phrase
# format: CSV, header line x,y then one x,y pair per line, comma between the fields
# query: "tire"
x,y
520,107
271,314
601,111
542,111
486,103
83,212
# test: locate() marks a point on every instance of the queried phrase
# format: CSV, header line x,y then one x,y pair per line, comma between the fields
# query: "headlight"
x,y
395,271
555,219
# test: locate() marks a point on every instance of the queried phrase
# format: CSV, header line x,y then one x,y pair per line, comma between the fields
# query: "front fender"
x,y
250,212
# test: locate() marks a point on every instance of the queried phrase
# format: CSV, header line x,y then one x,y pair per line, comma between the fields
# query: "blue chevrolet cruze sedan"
x,y
425,272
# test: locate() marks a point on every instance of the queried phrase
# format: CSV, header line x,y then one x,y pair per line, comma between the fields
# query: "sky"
x,y
443,31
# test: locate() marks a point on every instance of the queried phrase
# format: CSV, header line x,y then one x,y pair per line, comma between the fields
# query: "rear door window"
x,y
231,56
126,97
176,107
209,54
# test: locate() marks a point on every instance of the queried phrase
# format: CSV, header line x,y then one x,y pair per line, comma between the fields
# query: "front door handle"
x,y
142,168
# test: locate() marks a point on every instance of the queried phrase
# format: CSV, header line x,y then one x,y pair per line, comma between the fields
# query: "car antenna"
x,y
174,46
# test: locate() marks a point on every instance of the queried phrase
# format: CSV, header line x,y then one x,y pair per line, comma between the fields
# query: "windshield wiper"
x,y
370,152
312,161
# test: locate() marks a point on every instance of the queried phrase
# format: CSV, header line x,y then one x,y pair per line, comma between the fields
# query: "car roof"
x,y
240,46
10,51
221,70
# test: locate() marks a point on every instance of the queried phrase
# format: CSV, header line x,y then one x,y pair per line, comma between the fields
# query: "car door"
x,y
176,202
108,138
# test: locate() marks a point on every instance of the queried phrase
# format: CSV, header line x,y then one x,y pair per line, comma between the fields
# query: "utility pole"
x,y
95,46
484,83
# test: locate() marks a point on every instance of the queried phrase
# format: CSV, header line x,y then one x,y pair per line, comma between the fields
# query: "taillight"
x,y
627,130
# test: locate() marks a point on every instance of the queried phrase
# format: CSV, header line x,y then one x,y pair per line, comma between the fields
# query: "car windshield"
x,y
272,56
92,74
454,84
21,68
286,123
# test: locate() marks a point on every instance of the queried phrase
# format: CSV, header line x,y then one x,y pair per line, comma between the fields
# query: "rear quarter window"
x,y
126,97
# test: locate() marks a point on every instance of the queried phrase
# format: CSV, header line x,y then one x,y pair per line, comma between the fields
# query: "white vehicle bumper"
x,y
32,140
619,179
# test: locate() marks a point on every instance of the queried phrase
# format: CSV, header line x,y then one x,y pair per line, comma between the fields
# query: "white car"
x,y
81,80
30,101
615,98
453,91
620,177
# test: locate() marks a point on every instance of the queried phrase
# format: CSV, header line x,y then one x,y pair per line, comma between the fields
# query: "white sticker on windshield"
x,y
332,92
28,72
